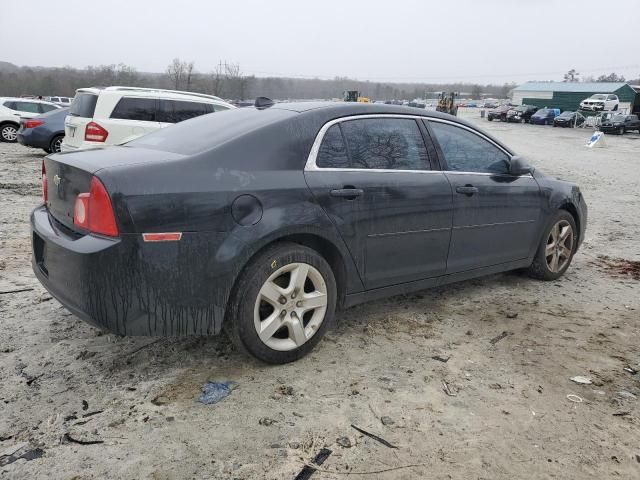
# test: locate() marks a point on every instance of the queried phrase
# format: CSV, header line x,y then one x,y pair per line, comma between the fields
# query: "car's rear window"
x,y
84,105
206,132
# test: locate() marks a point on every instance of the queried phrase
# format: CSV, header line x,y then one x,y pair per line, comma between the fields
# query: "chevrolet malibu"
x,y
265,220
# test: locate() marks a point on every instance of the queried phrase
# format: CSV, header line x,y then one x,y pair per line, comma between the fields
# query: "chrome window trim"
x,y
311,166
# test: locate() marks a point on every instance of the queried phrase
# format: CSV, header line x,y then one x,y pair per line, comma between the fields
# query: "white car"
x,y
600,102
114,115
12,109
62,101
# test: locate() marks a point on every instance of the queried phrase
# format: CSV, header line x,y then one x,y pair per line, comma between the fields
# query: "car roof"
x,y
20,99
151,92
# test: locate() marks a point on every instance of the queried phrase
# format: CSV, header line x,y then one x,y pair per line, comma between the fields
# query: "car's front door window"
x,y
464,151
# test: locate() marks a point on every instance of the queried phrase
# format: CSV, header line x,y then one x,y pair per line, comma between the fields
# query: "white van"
x,y
100,117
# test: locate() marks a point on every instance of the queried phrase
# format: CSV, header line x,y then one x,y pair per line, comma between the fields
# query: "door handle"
x,y
467,190
348,192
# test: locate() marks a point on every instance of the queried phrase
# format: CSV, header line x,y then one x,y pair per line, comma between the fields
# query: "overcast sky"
x,y
391,40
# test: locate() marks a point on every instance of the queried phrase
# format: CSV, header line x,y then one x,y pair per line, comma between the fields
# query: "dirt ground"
x,y
512,345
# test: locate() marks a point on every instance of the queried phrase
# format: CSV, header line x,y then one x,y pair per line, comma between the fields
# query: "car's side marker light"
x,y
162,237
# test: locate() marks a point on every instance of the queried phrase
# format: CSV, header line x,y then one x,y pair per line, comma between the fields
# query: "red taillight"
x,y
95,133
45,185
33,123
93,211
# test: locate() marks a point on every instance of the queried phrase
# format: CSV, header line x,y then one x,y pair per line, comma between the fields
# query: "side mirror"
x,y
518,166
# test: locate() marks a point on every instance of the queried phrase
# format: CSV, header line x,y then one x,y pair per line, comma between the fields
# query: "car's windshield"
x,y
598,97
542,111
618,118
566,114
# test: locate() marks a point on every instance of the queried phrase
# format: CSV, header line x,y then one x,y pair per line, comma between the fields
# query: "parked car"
x,y
521,114
45,131
491,104
499,113
544,116
620,124
12,109
600,101
569,119
61,101
268,219
110,116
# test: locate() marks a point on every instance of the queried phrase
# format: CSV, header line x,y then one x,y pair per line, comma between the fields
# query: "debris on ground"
x,y
18,290
266,421
68,438
621,414
627,395
495,340
386,420
630,370
574,398
213,392
441,358
344,442
449,390
618,266
512,315
375,437
308,470
17,452
581,380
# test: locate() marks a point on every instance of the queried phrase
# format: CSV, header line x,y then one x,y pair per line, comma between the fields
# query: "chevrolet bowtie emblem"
x,y
56,180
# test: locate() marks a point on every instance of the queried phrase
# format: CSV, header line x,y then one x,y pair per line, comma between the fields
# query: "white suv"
x,y
600,101
115,115
12,109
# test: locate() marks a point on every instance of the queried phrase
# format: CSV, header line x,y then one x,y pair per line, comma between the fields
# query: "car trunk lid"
x,y
80,114
69,174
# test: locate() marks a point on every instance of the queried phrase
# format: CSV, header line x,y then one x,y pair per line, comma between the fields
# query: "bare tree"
x,y
571,76
188,68
176,72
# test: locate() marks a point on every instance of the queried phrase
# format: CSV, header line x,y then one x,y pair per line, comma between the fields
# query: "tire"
x,y
273,272
54,145
621,130
490,119
615,108
542,267
9,132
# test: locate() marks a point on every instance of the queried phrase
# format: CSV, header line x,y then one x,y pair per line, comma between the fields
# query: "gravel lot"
x,y
63,381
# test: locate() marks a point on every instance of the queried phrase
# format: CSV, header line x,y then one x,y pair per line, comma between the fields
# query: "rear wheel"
x,y
283,304
556,249
54,146
9,132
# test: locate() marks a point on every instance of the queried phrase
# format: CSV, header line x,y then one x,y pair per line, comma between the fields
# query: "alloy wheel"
x,y
290,306
559,246
56,145
9,133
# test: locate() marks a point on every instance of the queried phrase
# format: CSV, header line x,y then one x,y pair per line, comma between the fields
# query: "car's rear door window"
x,y
132,108
465,151
174,111
385,143
30,107
333,151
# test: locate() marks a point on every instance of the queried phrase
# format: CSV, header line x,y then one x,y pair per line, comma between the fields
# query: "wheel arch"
x,y
571,208
321,244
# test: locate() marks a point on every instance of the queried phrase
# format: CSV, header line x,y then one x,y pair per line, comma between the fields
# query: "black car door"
x,y
372,175
495,214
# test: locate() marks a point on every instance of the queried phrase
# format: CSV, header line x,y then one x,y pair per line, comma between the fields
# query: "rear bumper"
x,y
31,138
65,147
130,287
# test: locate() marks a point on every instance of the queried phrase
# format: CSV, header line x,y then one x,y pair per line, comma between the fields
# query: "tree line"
x,y
227,80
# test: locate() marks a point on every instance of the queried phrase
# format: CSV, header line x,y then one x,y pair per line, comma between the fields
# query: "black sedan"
x,y
45,131
521,114
568,119
620,123
266,220
499,113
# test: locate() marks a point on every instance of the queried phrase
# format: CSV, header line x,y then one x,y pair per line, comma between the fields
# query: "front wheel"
x,y
621,131
283,304
556,249
9,133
